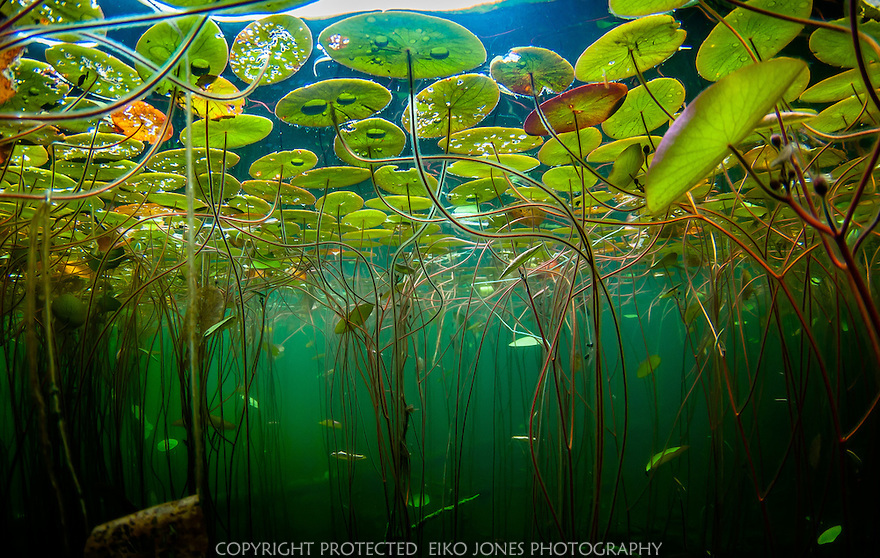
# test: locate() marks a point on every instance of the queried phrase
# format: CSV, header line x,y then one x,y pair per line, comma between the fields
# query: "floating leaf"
x,y
637,8
403,182
648,366
836,48
578,108
722,52
477,169
490,140
283,164
829,535
203,107
719,117
568,178
142,121
381,43
355,318
371,138
452,104
332,100
283,40
664,457
228,133
648,41
526,69
580,143
640,114
330,177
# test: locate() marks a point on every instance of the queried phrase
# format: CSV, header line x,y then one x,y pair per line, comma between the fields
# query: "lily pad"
x,y
364,218
382,43
638,8
829,535
836,48
206,107
330,177
452,104
719,117
840,86
267,190
147,182
333,100
648,366
339,203
478,169
371,138
525,70
208,52
578,108
38,87
284,40
216,187
58,12
92,70
355,318
640,114
609,152
174,160
403,182
490,140
283,164
527,341
722,52
102,146
477,191
142,122
664,457
228,133
580,143
405,204
568,178
648,41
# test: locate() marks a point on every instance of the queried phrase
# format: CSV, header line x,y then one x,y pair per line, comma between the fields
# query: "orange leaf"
x,y
142,122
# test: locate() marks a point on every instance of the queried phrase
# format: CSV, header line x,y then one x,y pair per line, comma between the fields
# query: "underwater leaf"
x,y
527,341
580,143
92,70
101,146
174,160
647,40
664,457
284,40
836,48
627,166
354,318
480,190
477,169
568,178
403,182
219,325
283,164
167,445
203,107
518,261
523,68
490,140
330,177
639,113
380,43
637,8
339,203
722,52
840,86
829,535
649,366
229,133
333,100
34,84
142,121
720,116
452,104
577,108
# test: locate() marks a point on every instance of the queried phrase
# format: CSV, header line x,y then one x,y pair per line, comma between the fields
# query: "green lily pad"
x,y
371,138
648,40
355,318
80,125
208,53
403,182
216,187
836,48
722,52
568,178
477,191
251,8
31,156
648,366
174,160
577,108
639,113
638,8
58,12
251,205
330,177
304,218
720,116
664,457
405,204
284,40
843,114
172,200
38,87
526,69
229,133
288,194
147,182
339,203
580,143
364,218
37,180
609,152
339,100
93,71
490,140
452,104
283,164
627,166
102,146
478,169
381,43
840,86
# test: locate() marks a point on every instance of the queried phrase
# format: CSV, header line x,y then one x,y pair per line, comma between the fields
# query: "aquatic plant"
x,y
639,307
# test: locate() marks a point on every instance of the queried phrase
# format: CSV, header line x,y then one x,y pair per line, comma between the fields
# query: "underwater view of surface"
x,y
550,278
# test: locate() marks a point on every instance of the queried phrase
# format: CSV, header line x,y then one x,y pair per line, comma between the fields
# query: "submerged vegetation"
x,y
388,281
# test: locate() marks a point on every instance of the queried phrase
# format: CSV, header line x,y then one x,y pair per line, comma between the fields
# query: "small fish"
x,y
331,423
345,456
523,438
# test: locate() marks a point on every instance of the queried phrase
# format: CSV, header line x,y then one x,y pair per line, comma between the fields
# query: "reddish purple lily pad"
x,y
578,108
